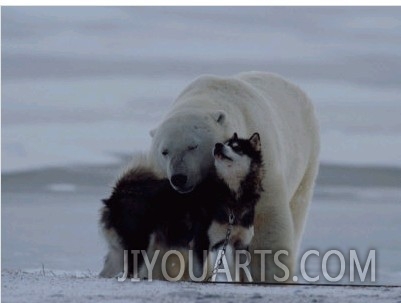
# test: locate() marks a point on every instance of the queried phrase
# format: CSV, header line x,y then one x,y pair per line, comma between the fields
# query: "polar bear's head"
x,y
182,146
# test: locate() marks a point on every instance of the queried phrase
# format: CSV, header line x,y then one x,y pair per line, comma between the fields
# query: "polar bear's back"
x,y
249,91
275,87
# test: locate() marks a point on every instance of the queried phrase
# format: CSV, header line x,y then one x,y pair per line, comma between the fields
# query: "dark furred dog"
x,y
143,205
145,213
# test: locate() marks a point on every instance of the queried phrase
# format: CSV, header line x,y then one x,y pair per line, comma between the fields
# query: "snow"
x,y
48,286
62,187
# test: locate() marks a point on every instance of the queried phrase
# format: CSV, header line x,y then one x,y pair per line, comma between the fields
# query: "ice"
x,y
59,144
61,187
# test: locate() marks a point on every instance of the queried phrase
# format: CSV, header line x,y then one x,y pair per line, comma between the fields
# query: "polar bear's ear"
x,y
219,116
152,132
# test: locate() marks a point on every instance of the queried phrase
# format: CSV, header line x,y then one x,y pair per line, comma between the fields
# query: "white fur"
x,y
210,110
232,172
114,260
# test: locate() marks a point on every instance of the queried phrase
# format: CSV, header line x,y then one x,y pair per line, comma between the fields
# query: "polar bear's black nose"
x,y
179,180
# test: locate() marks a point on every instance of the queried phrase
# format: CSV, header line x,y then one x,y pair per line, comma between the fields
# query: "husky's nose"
x,y
218,149
179,180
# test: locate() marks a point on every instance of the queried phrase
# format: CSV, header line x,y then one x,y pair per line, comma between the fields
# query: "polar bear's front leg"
x,y
273,239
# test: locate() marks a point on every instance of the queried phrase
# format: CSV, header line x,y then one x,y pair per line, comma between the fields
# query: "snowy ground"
x,y
46,286
82,87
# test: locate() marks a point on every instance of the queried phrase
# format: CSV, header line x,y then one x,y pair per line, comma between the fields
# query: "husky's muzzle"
x,y
218,152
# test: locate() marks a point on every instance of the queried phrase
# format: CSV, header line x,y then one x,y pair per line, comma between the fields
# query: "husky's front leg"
x,y
114,260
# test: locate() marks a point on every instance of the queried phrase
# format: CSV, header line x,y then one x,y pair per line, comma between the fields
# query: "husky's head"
x,y
237,158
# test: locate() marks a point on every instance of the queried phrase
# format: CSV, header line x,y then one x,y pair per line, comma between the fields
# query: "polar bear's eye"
x,y
165,152
192,147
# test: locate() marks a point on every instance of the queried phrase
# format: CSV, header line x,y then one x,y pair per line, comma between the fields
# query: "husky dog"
x,y
128,218
145,213
239,166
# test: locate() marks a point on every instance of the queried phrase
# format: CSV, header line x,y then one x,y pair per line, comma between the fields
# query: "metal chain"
x,y
231,219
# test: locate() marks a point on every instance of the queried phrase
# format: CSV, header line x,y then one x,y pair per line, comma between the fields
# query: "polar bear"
x,y
210,110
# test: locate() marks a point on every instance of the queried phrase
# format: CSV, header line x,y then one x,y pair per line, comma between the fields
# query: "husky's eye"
x,y
165,152
236,148
192,147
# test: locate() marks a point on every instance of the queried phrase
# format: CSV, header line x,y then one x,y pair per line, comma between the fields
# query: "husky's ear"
x,y
219,116
152,132
235,136
255,141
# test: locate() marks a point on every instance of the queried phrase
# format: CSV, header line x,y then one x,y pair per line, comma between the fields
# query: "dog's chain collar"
x,y
231,219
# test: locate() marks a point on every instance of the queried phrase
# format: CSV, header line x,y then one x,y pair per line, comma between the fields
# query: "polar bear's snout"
x,y
178,173
181,183
179,180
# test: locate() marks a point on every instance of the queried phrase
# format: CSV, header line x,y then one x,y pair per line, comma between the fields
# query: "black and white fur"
x,y
145,213
239,165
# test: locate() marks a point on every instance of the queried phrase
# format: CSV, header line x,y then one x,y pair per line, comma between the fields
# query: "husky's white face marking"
x,y
231,166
